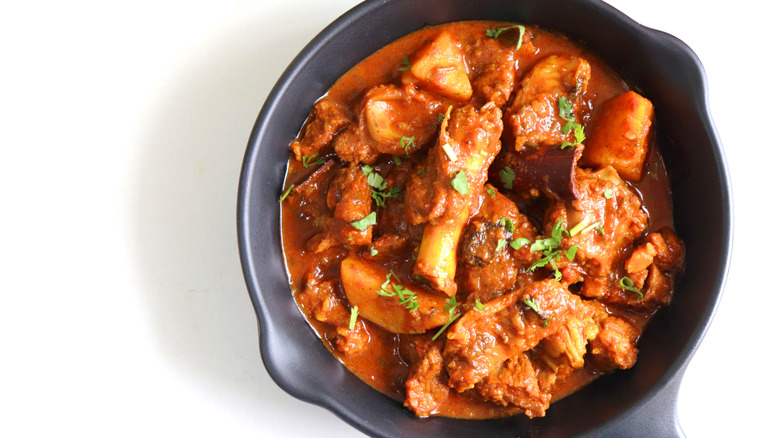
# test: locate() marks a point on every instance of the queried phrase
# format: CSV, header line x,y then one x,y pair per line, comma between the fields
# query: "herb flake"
x,y
460,183
366,222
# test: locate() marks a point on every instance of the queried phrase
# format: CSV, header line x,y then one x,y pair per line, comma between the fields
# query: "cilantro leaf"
x,y
627,284
460,183
366,222
494,33
353,317
507,176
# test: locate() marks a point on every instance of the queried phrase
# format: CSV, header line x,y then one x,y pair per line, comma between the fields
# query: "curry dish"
x,y
477,222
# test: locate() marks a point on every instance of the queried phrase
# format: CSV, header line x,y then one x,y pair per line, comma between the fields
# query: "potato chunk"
x,y
441,67
620,136
361,281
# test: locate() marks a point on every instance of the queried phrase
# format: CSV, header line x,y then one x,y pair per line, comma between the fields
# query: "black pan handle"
x,y
657,417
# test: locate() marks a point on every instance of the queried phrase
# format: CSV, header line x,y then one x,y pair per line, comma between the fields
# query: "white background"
x,y
122,128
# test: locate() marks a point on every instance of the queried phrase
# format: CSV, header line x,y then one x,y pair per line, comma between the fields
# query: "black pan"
x,y
637,402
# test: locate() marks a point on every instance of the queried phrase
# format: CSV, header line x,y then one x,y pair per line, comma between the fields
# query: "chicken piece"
x,y
481,340
487,267
515,383
319,299
441,68
349,196
426,386
620,134
326,120
533,119
615,344
448,191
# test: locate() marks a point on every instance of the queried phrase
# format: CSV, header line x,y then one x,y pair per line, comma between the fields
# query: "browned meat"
x,y
327,119
481,340
349,196
615,344
515,383
533,118
354,147
448,192
319,298
473,140
494,65
426,386
487,268
571,339
603,223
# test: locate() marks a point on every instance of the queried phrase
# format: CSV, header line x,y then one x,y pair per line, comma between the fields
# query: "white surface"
x,y
123,126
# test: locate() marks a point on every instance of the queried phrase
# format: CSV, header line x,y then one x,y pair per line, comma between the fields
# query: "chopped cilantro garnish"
x,y
627,284
491,192
286,193
572,252
582,227
501,243
478,305
397,160
608,193
406,297
353,317
566,113
460,183
494,33
549,246
507,223
366,222
519,242
406,143
507,176
530,303
379,190
406,65
311,160
452,304
450,152
374,251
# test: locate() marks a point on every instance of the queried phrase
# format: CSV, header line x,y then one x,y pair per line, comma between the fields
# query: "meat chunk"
x,y
533,119
487,267
349,196
615,344
571,339
481,340
651,267
515,383
603,223
319,298
426,386
326,120
447,194
495,66
468,142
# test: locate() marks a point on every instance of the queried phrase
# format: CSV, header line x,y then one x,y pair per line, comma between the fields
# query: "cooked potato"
x,y
620,136
362,281
440,66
